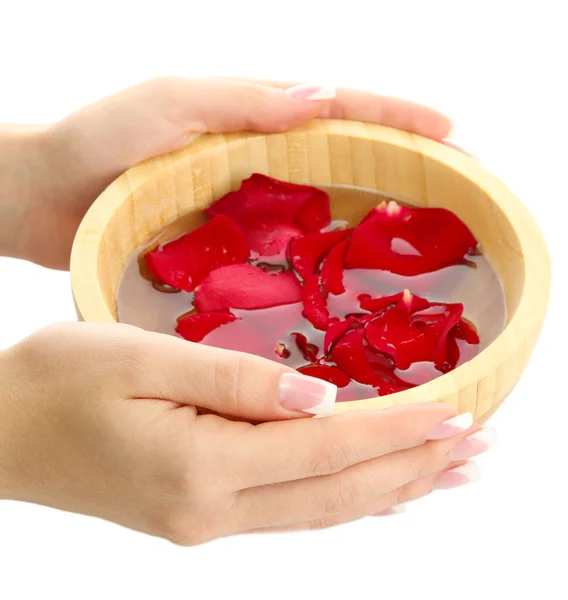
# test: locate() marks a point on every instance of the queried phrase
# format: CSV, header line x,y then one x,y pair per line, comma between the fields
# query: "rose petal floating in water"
x,y
308,351
409,241
271,212
195,327
332,268
439,321
246,286
401,331
307,251
413,330
465,330
350,356
185,262
375,305
336,331
315,309
331,374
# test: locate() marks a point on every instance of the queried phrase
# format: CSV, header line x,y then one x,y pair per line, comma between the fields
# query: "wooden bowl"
x,y
146,199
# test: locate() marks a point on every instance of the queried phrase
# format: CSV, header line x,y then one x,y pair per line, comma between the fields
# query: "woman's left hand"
x,y
52,174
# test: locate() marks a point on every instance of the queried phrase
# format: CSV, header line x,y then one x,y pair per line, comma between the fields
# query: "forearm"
x,y
20,178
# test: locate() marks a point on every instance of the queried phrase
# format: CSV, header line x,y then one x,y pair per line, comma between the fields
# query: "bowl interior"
x,y
173,199
174,188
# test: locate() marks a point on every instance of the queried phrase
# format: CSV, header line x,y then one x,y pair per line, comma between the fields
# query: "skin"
x,y
126,425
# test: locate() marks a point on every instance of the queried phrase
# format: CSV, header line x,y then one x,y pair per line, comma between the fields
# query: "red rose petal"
x,y
349,355
332,268
309,351
384,367
327,373
195,327
365,365
439,320
271,238
271,212
446,358
414,303
307,251
452,354
413,330
262,195
315,309
375,305
391,332
418,373
381,362
314,214
391,384
334,332
337,329
409,241
185,262
246,286
465,330
437,314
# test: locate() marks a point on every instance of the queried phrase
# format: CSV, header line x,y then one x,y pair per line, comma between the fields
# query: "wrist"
x,y
15,438
22,173
6,431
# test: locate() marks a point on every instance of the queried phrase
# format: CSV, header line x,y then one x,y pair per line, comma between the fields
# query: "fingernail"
x,y
453,130
393,510
306,394
451,427
458,476
310,91
189,137
475,444
451,144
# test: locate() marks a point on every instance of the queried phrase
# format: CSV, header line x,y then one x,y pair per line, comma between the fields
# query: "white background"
x,y
496,67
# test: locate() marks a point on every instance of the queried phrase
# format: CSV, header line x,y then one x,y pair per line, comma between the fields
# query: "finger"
x,y
223,381
387,504
395,502
382,110
331,496
287,451
165,114
391,503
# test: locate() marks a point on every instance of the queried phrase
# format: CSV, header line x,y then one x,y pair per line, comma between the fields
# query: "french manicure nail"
x,y
453,129
458,476
451,427
475,444
393,510
451,144
311,91
306,394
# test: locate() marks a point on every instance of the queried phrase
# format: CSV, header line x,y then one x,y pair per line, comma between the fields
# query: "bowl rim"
x,y
526,320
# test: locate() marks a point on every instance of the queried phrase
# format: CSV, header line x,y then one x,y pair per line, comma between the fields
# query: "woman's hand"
x,y
51,175
103,420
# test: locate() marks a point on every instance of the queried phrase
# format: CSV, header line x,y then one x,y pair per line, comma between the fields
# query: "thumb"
x,y
164,114
228,382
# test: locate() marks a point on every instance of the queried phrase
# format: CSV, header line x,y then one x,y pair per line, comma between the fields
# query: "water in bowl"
x,y
476,285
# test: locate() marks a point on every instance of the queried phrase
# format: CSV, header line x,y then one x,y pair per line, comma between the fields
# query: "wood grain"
x,y
154,194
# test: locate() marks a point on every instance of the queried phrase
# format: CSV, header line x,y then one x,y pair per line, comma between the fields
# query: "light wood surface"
x,y
154,194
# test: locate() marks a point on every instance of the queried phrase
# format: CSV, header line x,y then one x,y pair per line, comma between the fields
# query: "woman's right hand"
x,y
103,420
